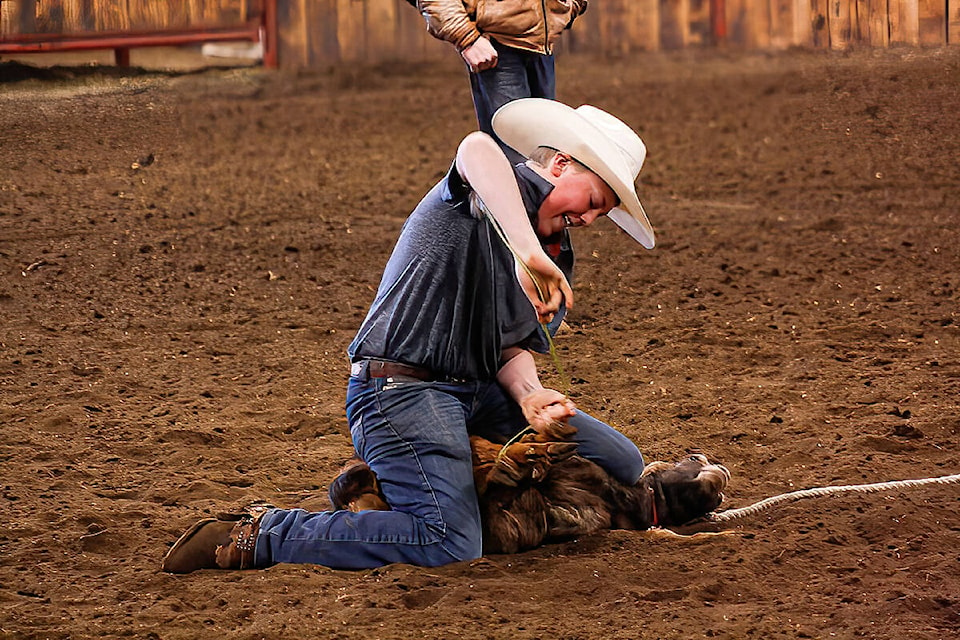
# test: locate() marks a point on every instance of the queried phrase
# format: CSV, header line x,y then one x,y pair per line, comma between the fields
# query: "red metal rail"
x,y
718,20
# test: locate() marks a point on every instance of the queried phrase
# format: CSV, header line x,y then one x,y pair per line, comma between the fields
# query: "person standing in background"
x,y
507,46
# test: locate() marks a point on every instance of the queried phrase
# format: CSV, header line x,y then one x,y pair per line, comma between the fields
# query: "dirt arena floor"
x,y
184,258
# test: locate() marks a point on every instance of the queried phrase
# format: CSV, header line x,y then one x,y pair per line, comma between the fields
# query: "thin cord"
x,y
513,440
554,355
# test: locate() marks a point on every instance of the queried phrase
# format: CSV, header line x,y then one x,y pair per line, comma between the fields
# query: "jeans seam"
x,y
416,456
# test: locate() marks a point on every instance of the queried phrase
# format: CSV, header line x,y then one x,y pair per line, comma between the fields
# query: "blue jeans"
x,y
415,436
518,74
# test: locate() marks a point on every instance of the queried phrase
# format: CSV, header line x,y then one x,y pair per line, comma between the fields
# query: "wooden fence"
x,y
316,32
838,24
323,32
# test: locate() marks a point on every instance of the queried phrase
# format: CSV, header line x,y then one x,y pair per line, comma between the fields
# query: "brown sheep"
x,y
534,491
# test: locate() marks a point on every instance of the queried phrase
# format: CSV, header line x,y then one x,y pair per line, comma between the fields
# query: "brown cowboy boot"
x,y
227,542
238,552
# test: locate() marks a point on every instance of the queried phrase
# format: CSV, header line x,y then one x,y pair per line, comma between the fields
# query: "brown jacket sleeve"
x,y
448,20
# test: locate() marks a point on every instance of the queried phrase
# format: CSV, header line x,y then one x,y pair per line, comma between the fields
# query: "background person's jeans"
x,y
415,436
518,74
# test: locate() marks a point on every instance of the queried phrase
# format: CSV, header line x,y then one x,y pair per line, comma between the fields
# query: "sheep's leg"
x,y
516,462
357,489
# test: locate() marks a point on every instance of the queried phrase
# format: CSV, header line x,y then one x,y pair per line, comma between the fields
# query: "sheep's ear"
x,y
655,467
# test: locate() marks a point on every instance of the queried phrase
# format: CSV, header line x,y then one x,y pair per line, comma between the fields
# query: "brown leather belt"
x,y
366,369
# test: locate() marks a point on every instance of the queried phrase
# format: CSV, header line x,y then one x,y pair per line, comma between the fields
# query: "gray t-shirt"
x,y
449,300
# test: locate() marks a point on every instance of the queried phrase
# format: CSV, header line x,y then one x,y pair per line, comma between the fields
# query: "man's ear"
x,y
559,162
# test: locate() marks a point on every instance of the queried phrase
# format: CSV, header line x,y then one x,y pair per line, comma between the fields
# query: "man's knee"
x,y
604,445
455,544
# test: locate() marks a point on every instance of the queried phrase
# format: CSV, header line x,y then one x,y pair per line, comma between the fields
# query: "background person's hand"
x,y
480,55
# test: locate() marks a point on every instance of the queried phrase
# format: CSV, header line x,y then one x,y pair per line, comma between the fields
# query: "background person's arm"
x,y
448,20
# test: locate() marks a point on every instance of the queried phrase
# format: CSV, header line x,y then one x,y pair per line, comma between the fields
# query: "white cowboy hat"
x,y
596,139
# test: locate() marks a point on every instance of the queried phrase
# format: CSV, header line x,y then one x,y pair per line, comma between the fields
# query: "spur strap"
x,y
239,552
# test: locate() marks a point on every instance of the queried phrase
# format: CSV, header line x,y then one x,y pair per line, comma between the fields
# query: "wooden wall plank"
x,y
195,10
49,16
802,24
612,27
781,23
878,22
861,26
932,16
904,22
380,29
292,44
700,32
643,25
838,23
143,16
411,30
203,11
735,12
9,17
64,15
227,11
620,27
893,20
199,13
27,20
910,10
350,32
674,24
584,36
87,18
320,32
855,36
953,21
748,23
760,23
820,33
110,15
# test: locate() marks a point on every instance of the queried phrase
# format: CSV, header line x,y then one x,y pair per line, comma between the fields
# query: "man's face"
x,y
578,198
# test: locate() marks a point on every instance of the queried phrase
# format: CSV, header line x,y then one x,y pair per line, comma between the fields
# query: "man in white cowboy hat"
x,y
445,351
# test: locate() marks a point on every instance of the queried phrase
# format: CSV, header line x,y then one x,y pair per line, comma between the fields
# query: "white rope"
x,y
733,514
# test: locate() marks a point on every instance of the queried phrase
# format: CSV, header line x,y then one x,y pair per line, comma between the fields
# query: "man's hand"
x,y
480,55
547,411
551,287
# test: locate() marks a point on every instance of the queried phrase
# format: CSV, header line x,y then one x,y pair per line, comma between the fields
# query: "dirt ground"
x,y
185,256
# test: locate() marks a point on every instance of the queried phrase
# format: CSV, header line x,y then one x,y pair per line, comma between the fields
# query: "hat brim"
x,y
529,123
